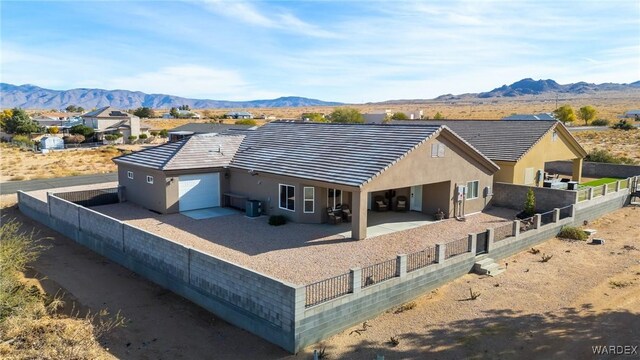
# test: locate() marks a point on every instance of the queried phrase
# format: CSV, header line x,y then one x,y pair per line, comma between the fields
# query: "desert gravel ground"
x,y
297,253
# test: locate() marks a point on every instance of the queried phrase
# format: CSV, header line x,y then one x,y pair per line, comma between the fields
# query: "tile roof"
x,y
335,153
107,112
497,139
207,128
198,151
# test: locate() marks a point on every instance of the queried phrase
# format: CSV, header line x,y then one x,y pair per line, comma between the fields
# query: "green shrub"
x,y
571,232
530,203
110,137
246,122
132,138
143,136
600,122
164,133
623,125
22,140
154,133
277,220
603,156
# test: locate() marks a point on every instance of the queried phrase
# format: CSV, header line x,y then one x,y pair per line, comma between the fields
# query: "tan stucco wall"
x,y
505,174
419,168
545,150
149,196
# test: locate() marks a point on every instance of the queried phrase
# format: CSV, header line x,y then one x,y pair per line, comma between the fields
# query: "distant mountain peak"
x,y
529,86
30,96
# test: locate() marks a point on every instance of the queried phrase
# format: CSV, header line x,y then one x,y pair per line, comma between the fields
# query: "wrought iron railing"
x,y
88,198
502,232
379,272
328,289
565,212
456,247
420,259
546,218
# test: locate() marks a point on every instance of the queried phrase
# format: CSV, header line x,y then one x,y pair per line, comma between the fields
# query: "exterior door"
x,y
198,191
416,198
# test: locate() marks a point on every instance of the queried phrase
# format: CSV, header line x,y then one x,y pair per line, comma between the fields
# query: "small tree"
x,y
80,109
314,117
565,114
153,133
346,115
73,139
144,112
71,108
399,116
530,203
587,114
132,138
19,123
438,116
83,130
53,130
174,113
164,133
623,125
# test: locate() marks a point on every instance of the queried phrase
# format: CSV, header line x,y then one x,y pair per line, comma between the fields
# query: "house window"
x,y
334,198
472,189
309,199
130,174
437,150
287,197
149,179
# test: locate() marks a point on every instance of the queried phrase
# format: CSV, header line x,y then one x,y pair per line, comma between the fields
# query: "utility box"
x,y
254,208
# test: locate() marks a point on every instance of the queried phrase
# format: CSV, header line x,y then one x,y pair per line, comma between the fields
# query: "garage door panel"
x,y
198,191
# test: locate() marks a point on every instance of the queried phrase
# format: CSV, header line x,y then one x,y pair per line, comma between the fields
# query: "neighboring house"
x,y
301,169
48,121
167,116
188,113
377,117
541,116
238,115
108,120
520,148
187,130
633,114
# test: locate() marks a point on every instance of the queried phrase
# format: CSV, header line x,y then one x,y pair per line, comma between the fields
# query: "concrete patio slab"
x,y
209,213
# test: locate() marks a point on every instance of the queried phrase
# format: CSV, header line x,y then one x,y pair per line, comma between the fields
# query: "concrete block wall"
x,y
105,228
513,196
166,256
268,303
321,321
594,208
593,169
252,301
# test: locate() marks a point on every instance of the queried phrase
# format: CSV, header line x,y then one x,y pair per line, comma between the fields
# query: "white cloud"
x,y
245,12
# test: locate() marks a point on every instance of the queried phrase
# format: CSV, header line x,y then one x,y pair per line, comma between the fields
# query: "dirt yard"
x,y
618,142
585,296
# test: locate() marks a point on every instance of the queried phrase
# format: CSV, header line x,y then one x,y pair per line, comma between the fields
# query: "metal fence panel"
x,y
527,224
328,289
456,247
88,198
502,232
598,191
565,212
583,194
379,272
420,259
546,218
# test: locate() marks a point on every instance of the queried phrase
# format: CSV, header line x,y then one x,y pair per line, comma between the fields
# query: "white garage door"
x,y
199,191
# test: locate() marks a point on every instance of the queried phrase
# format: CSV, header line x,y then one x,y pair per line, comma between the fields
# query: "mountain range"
x,y
529,86
34,97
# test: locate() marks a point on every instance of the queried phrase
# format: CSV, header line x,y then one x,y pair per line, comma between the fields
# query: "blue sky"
x,y
353,51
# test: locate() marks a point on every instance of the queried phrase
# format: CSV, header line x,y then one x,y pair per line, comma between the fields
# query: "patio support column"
x,y
576,172
359,215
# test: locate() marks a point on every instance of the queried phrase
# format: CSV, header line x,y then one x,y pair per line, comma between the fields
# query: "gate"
x,y
482,243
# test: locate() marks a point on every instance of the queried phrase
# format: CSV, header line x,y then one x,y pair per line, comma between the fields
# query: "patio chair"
x,y
333,217
346,213
379,204
401,203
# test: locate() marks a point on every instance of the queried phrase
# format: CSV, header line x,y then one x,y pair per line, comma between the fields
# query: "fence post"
x,y
516,228
618,185
473,242
590,194
604,189
49,193
556,215
491,236
573,212
356,279
401,265
536,221
440,253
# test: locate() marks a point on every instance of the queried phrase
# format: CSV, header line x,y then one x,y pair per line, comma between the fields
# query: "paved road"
x,y
11,187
